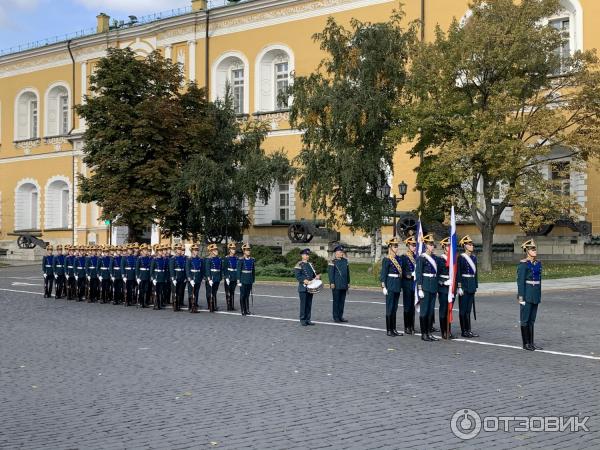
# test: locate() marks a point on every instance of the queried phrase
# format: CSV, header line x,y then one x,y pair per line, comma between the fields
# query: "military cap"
x,y
393,241
528,245
410,240
445,241
465,240
195,247
246,247
211,247
49,247
338,248
179,247
231,245
59,247
135,246
428,239
306,251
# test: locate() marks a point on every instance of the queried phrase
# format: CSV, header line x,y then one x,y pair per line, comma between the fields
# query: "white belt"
x,y
143,268
231,270
59,265
393,275
194,270
429,275
532,282
129,268
469,276
69,267
178,270
104,268
215,270
444,276
246,271
81,268
157,270
48,265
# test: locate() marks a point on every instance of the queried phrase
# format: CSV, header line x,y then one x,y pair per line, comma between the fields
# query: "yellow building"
x,y
255,45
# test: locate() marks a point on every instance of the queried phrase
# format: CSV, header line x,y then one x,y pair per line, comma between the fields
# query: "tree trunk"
x,y
487,237
376,245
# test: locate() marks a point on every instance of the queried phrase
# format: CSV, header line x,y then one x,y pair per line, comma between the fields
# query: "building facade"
x,y
256,46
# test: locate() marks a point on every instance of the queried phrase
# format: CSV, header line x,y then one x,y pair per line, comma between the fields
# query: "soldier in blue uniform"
x,y
116,276
103,268
48,271
246,278
426,274
91,270
128,269
178,276
159,274
444,283
230,274
195,273
142,274
407,261
213,271
80,273
168,255
529,293
339,282
390,276
58,265
467,282
305,273
70,272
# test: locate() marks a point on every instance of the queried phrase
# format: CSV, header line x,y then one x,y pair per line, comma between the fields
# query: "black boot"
x,y
463,327
531,339
394,330
430,323
471,334
388,328
406,324
423,326
525,337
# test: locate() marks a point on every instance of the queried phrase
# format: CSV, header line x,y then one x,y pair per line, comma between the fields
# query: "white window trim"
x,y
16,114
257,64
213,71
47,103
46,198
39,201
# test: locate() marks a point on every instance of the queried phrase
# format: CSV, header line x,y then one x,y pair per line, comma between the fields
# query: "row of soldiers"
x,y
148,275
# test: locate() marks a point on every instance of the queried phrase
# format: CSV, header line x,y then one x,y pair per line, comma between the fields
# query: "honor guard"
x,y
230,273
159,274
427,286
467,282
390,277
305,273
338,271
178,276
246,278
58,265
91,269
142,275
128,271
195,273
48,271
80,273
444,283
70,272
213,272
407,261
168,255
116,276
529,293
104,262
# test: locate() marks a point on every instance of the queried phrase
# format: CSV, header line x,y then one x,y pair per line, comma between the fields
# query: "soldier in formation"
x,y
339,281
529,293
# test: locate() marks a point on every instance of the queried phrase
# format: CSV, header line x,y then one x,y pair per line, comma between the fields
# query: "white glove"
x,y
385,291
210,282
100,278
413,274
112,278
193,283
174,282
460,292
76,277
56,277
154,282
124,278
45,275
139,280
421,293
239,284
89,278
447,282
227,281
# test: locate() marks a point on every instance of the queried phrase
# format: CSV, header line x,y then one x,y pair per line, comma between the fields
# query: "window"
x,y
560,172
26,121
57,204
26,206
284,201
281,83
563,52
237,81
33,122
57,111
64,114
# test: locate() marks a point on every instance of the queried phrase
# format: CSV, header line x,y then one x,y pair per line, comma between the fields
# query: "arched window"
x,y
232,69
569,21
27,116
27,206
274,67
57,204
58,111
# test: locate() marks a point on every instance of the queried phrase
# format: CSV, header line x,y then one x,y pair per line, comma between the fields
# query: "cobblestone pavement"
x,y
93,376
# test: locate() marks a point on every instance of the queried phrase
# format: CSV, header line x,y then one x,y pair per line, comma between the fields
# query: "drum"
x,y
314,286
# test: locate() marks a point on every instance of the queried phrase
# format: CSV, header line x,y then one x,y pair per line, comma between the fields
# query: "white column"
x,y
192,59
168,51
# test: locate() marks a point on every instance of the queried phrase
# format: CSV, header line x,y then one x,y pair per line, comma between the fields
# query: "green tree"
x,y
132,137
345,111
222,167
494,105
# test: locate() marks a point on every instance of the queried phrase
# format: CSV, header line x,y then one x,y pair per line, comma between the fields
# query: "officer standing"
x,y
305,273
178,276
128,269
58,266
390,276
444,283
467,282
159,274
116,276
213,272
407,261
142,274
246,278
427,286
529,296
339,282
48,271
230,263
80,273
168,255
195,272
104,263
91,269
70,272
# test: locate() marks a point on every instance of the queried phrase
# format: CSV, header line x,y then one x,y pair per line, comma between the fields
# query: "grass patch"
x,y
361,275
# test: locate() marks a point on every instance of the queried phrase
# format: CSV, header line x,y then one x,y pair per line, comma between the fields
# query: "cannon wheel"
x,y
25,242
298,233
406,223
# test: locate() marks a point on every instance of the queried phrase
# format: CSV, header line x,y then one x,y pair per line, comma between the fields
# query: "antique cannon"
x,y
303,231
29,241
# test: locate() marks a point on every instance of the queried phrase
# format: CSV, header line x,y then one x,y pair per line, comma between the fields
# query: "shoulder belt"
x,y
396,264
470,261
431,261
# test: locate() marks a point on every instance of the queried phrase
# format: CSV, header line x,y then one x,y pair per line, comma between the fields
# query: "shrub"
x,y
318,262
274,270
266,256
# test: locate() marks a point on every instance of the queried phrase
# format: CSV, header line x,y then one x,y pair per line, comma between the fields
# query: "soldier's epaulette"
x,y
524,260
297,266
331,263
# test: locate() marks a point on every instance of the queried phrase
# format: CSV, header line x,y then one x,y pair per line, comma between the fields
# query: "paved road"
x,y
78,375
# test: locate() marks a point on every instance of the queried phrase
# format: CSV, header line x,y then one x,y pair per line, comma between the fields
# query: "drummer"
x,y
305,274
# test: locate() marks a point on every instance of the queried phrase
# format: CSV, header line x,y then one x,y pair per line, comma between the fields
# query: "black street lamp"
x,y
385,191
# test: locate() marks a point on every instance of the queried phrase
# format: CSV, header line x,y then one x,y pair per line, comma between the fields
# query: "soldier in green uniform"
x,y
128,268
142,275
159,274
47,271
91,264
390,276
529,296
103,269
246,278
213,271
230,274
426,274
178,276
58,266
195,273
305,273
80,273
116,276
70,272
339,282
467,282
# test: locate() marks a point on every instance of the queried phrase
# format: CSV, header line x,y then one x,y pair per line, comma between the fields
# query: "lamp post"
x,y
385,192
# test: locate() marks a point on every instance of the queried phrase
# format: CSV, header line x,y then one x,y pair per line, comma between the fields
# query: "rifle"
x,y
474,310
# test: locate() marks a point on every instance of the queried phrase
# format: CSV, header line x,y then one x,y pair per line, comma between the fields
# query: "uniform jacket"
x,y
466,277
58,264
427,273
70,265
391,274
246,270
91,264
115,267
177,268
213,268
408,270
230,264
159,269
47,265
128,267
103,267
80,269
443,274
142,267
303,271
529,281
195,269
338,271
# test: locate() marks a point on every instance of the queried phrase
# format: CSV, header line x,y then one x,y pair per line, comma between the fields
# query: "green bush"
x,y
318,262
266,256
274,270
376,270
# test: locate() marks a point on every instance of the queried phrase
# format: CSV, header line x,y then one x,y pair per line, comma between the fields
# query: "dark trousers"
x,y
194,291
305,306
94,289
230,292
48,285
118,290
81,283
179,292
130,286
528,313
144,293
160,293
408,300
71,287
391,303
211,291
465,306
105,294
339,299
427,305
245,291
60,286
443,300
